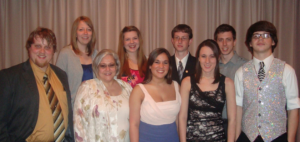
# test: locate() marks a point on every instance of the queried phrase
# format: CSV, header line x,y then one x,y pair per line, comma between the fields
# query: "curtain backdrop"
x,y
154,18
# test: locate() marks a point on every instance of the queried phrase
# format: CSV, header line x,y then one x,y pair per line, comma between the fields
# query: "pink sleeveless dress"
x,y
158,118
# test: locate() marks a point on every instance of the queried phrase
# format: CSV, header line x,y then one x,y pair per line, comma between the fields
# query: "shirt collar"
x,y
267,61
234,59
39,74
183,60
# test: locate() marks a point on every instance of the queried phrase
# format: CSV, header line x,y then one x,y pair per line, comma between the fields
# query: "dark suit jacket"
x,y
19,102
188,70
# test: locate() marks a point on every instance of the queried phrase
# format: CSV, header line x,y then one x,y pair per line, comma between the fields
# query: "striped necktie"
x,y
261,71
180,70
59,128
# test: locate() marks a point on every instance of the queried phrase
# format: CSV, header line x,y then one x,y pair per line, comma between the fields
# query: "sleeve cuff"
x,y
239,101
293,104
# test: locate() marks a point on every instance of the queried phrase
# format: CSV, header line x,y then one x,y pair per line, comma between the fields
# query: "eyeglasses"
x,y
264,35
104,66
182,38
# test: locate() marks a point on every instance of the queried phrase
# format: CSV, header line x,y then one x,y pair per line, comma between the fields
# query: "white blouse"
x,y
100,117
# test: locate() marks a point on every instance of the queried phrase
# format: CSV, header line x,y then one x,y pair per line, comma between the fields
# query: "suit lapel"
x,y
30,78
174,69
60,76
188,67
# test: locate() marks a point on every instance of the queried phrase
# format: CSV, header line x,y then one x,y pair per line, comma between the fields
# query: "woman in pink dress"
x,y
154,105
132,58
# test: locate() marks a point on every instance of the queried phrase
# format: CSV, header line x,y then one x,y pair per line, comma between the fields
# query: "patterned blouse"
x,y
99,117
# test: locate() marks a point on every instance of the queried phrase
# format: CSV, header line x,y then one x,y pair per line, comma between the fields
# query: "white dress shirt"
x,y
183,61
289,82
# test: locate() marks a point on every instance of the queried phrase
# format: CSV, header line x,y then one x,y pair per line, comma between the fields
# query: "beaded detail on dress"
x,y
205,122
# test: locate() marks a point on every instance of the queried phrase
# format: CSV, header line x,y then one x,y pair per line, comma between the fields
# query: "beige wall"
x,y
155,19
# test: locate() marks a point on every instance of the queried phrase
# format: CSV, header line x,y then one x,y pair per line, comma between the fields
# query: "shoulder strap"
x,y
176,85
222,79
192,79
143,89
222,85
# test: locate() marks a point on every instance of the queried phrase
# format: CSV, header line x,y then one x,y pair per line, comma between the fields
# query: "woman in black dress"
x,y
203,97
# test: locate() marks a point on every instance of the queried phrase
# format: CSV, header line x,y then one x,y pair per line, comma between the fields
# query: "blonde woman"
x,y
76,58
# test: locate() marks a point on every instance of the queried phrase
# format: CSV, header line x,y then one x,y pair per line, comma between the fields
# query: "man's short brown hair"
x,y
43,33
182,28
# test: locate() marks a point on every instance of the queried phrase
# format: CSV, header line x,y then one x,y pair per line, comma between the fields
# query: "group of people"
x,y
124,96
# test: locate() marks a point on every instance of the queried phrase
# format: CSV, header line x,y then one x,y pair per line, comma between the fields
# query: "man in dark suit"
x,y
183,63
34,95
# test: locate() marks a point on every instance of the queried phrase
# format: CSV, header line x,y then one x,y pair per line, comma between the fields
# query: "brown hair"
x,y
261,26
182,28
125,70
224,28
43,33
91,44
213,45
153,55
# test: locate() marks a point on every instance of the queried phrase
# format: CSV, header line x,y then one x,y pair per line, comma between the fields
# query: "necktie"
x,y
261,71
180,70
59,128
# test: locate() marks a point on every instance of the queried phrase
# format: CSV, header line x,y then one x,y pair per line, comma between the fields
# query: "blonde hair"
x,y
91,44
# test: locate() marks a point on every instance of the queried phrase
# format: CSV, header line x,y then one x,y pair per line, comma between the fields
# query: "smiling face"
x,y
181,41
226,43
40,53
207,60
83,34
131,42
160,66
262,45
107,68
